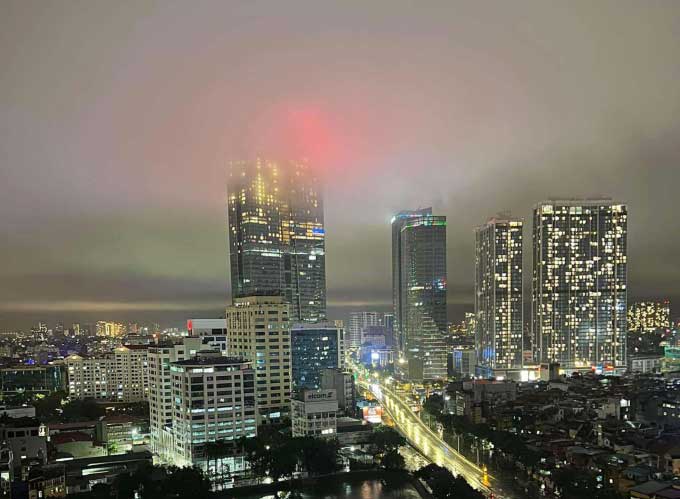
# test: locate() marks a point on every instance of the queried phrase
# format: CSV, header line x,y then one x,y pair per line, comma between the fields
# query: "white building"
x,y
121,375
160,389
212,331
213,400
314,413
258,330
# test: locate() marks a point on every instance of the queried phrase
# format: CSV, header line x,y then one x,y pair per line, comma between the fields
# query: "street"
x,y
428,442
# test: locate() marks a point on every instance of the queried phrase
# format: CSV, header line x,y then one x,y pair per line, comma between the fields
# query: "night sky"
x,y
117,120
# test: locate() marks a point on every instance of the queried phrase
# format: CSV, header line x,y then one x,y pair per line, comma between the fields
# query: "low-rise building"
x,y
27,411
27,439
643,364
343,384
314,413
47,482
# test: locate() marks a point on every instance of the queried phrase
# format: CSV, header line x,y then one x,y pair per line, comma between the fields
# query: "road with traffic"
x,y
428,442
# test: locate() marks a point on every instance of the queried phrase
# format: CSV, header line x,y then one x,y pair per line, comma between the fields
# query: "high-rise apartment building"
x,y
277,236
579,282
122,375
213,399
499,307
315,347
358,321
258,330
647,316
419,289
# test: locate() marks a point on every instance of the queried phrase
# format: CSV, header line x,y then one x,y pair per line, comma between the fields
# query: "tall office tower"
x,y
258,330
579,282
160,357
315,347
419,288
647,316
213,400
499,307
398,294
277,237
75,329
359,321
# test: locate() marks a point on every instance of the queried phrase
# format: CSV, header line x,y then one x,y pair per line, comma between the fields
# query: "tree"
x,y
434,404
318,456
284,461
392,460
217,451
444,485
187,483
384,439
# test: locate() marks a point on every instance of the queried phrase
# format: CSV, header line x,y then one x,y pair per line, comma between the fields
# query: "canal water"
x,y
350,489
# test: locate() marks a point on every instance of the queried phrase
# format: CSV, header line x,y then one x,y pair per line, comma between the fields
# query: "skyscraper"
x,y
398,222
419,288
276,235
579,282
498,294
358,321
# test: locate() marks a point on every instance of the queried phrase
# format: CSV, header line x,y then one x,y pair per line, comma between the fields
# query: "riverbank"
x,y
398,483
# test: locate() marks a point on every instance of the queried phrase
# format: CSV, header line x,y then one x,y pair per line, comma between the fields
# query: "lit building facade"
x,y
160,357
314,414
499,307
647,316
579,282
213,400
122,375
315,347
110,329
277,236
358,321
419,291
258,330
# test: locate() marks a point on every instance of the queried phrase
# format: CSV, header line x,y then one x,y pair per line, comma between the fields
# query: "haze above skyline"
x,y
117,122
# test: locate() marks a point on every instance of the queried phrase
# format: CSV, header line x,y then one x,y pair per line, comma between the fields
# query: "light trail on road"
x,y
429,443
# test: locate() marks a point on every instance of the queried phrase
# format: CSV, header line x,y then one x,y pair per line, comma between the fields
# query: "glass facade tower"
x,y
419,289
579,282
498,294
277,236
